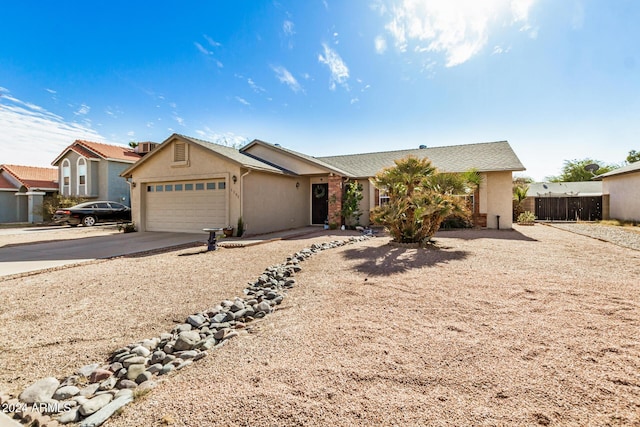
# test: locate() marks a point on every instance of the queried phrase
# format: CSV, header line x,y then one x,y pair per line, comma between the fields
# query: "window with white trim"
x,y
383,198
82,177
66,177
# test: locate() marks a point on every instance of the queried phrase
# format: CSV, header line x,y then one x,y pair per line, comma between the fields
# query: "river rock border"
x,y
96,391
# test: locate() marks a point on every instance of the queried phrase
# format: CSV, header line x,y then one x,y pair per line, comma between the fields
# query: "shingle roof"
x,y
234,154
560,189
485,157
314,160
97,150
33,177
633,167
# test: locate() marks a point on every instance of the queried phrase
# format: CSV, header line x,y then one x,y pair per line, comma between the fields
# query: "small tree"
x,y
573,170
420,198
634,156
519,194
351,203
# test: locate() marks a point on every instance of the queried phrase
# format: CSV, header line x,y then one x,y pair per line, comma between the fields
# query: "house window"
x,y
383,197
82,176
66,177
180,154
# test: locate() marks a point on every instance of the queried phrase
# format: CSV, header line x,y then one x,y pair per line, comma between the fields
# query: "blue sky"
x,y
557,79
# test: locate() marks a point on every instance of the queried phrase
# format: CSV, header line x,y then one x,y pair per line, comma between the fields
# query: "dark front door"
x,y
319,203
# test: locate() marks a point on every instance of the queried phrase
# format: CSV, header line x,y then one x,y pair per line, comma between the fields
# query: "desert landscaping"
x,y
535,326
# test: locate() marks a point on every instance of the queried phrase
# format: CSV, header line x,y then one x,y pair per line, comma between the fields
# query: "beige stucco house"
x,y
187,184
621,188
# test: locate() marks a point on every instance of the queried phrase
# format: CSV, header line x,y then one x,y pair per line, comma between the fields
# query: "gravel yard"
x,y
536,326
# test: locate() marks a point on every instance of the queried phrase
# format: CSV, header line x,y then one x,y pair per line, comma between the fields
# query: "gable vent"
x,y
179,152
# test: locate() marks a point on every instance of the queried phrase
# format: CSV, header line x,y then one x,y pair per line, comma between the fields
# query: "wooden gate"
x,y
569,208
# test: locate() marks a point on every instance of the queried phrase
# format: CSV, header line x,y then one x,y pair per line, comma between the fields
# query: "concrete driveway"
x,y
38,256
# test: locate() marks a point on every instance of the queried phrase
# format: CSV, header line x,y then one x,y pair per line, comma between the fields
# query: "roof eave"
x,y
322,165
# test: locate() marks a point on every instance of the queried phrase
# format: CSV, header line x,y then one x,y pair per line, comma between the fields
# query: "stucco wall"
x,y
285,160
624,196
273,202
8,208
117,187
367,201
202,164
497,195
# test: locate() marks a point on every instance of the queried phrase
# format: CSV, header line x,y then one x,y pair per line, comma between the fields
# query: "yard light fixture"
x,y
298,184
234,178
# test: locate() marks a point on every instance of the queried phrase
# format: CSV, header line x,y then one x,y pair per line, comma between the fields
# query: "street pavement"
x,y
38,256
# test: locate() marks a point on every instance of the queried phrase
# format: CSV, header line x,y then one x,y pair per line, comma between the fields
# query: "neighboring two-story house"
x,y
91,170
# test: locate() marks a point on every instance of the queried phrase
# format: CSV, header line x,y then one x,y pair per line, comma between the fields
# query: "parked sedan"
x,y
89,213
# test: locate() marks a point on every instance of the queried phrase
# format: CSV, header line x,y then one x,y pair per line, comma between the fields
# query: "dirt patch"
x,y
530,327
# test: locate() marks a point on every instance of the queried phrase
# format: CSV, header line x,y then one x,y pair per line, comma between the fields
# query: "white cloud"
x,y
254,86
380,44
83,110
229,139
211,41
354,100
33,136
285,77
242,101
131,133
457,28
51,91
178,119
288,27
337,67
202,49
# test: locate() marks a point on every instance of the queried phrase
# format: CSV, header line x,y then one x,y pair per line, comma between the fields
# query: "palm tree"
x,y
420,198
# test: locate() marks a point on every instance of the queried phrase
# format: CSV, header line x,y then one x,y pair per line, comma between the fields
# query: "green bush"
x,y
526,217
52,203
240,227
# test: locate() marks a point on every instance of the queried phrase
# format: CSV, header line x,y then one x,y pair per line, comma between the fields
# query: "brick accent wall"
x,y
335,200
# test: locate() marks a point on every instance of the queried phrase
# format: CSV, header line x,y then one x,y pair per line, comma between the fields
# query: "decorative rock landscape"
x,y
95,392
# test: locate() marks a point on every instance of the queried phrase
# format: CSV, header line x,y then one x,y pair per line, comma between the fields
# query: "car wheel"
x,y
89,221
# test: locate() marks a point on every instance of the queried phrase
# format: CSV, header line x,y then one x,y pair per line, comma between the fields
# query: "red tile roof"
x,y
107,151
33,177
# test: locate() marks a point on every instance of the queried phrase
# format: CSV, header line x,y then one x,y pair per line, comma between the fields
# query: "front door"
x,y
319,203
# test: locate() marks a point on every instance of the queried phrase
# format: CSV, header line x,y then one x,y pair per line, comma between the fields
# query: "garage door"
x,y
186,206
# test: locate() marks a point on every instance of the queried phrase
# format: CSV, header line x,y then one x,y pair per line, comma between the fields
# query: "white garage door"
x,y
186,206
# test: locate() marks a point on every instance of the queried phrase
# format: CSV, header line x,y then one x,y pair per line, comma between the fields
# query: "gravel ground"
x,y
10,237
629,237
525,327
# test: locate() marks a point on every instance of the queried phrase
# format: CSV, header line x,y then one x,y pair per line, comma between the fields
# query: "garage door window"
x,y
149,188
168,187
188,187
211,185
177,187
200,186
222,185
158,188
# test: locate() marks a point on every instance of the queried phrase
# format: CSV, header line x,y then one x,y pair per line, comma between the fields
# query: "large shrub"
x,y
420,199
